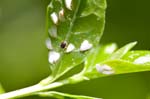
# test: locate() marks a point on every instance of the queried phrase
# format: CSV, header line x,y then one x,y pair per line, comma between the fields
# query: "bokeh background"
x,y
23,55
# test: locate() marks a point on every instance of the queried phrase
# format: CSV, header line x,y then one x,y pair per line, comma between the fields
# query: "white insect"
x,y
85,45
70,48
110,49
48,44
68,4
53,57
54,17
61,15
61,12
104,69
53,31
142,60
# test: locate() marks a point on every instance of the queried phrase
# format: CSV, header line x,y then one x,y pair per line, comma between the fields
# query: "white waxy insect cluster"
x,y
142,60
85,45
54,17
53,57
70,48
68,4
48,44
104,69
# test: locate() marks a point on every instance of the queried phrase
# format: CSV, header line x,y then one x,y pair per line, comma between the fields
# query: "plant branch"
x,y
30,90
39,87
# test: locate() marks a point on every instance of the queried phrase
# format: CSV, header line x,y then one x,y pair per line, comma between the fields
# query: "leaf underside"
x,y
84,21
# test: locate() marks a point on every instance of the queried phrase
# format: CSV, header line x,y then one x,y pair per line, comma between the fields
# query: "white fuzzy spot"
x,y
61,12
85,45
53,31
110,49
54,17
53,57
70,48
142,60
61,15
104,69
48,44
68,4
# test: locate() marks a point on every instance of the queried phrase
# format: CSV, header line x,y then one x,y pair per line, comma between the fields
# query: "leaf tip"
x,y
134,43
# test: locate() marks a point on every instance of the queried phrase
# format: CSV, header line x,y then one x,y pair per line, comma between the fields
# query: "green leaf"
x,y
138,57
59,95
122,51
123,66
97,55
71,24
100,63
132,61
1,89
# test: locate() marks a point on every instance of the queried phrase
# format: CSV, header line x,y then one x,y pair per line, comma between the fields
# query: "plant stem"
x,y
30,90
40,87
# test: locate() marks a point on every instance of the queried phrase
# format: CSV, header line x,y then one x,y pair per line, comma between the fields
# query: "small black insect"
x,y
63,44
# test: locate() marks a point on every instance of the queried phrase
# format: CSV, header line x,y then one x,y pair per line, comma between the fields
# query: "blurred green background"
x,y
23,55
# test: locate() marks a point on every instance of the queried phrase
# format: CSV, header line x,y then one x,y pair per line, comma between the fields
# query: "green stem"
x,y
39,87
30,90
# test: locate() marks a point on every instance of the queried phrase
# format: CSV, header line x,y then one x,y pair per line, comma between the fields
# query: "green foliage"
x,y
107,53
84,20
97,55
74,29
114,62
122,51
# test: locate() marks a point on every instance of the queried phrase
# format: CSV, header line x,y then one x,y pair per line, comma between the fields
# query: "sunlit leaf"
x,y
59,95
123,66
103,61
97,55
138,57
133,61
122,51
70,25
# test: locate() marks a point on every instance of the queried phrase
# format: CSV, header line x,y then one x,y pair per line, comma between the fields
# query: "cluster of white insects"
x,y
69,47
142,60
104,69
54,56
